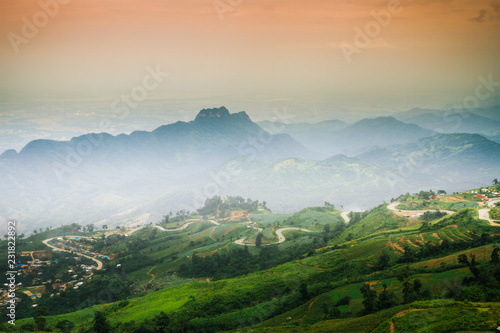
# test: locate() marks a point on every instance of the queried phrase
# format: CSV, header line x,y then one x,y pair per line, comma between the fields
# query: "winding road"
x,y
279,233
281,238
182,227
484,213
345,216
99,263
393,205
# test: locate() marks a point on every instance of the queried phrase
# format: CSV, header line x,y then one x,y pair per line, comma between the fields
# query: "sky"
x,y
65,64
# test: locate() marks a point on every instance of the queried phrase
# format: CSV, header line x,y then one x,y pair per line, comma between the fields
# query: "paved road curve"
x,y
281,238
99,263
484,213
345,216
279,233
393,205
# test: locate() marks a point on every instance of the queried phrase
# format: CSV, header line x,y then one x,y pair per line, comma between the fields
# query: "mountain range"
x,y
105,179
479,121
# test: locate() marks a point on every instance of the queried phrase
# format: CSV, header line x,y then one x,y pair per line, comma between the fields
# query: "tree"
x,y
40,320
386,299
101,324
412,290
495,181
105,227
303,291
330,312
409,254
462,259
258,240
65,326
329,205
383,261
161,322
494,255
40,323
153,234
369,298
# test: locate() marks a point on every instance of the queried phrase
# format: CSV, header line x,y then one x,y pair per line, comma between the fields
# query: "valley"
x,y
303,271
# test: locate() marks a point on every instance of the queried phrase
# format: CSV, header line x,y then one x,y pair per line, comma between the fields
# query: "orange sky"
x,y
430,53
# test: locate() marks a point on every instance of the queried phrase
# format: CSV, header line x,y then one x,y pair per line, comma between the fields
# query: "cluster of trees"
x,y
426,195
373,302
240,261
329,205
216,205
484,284
355,217
429,250
423,195
412,291
180,216
429,216
330,232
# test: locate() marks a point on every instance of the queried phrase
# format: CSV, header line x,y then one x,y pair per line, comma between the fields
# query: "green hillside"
x,y
380,272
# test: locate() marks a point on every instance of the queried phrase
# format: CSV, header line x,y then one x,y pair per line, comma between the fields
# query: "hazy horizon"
x,y
64,63
67,67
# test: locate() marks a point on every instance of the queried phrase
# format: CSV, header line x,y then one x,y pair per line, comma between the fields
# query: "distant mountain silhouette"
x,y
107,172
106,179
311,135
213,136
480,121
440,159
364,134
